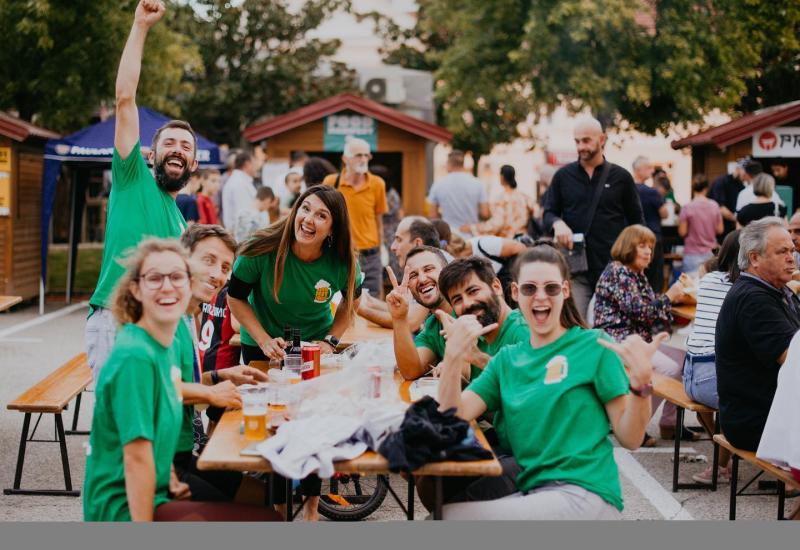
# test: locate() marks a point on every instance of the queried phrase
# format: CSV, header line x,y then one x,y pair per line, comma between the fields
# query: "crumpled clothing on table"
x,y
311,445
427,435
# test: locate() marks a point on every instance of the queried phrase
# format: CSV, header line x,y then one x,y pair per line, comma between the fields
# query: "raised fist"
x,y
148,12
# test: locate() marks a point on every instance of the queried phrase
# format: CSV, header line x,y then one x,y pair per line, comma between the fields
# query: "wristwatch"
x,y
644,391
331,340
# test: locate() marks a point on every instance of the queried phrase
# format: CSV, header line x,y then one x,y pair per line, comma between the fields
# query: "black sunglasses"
x,y
551,289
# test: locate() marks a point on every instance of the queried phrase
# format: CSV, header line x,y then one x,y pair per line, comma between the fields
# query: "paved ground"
x,y
31,347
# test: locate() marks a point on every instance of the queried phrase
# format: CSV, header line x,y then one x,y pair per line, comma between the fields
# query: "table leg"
x,y
437,507
289,500
410,505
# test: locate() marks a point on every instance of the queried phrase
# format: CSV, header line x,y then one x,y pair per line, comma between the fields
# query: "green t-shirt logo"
x,y
557,369
322,291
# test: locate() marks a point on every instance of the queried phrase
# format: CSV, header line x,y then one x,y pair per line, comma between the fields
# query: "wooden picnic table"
x,y
685,311
223,452
360,331
9,301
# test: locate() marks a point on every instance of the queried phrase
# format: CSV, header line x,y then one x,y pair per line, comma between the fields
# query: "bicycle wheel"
x,y
352,497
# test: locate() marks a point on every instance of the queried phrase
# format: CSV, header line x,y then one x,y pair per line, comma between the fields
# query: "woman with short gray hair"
x,y
763,206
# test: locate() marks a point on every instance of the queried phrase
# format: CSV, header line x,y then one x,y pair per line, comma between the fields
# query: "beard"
x,y
487,312
169,183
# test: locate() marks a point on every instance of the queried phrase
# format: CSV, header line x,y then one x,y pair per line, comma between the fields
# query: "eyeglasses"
x,y
551,289
153,280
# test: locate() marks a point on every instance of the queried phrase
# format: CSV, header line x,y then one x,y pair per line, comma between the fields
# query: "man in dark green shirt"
x,y
424,268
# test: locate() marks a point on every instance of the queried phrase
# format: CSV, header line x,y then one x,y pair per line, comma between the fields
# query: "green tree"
x,y
466,44
59,58
644,64
258,60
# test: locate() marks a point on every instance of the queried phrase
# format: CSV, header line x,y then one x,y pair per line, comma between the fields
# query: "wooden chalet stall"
x,y
768,135
399,141
21,165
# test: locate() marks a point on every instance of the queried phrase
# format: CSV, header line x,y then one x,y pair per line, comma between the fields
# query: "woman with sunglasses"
x,y
138,404
558,393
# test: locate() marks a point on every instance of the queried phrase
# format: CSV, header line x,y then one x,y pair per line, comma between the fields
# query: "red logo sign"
x,y
768,140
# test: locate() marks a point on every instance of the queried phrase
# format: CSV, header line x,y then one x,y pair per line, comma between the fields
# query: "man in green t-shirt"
x,y
140,205
474,288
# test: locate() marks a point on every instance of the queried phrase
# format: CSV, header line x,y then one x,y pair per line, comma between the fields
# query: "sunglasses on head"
x,y
551,289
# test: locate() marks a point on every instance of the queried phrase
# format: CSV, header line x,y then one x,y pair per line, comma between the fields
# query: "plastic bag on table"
x,y
367,376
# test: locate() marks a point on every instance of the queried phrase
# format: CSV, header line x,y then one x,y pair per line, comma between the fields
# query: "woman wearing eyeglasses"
x,y
558,393
138,409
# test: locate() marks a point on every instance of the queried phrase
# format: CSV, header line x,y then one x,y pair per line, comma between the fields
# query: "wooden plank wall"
x,y
5,230
26,216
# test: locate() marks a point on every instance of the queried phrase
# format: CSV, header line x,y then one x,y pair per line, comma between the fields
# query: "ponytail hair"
x,y
545,252
509,175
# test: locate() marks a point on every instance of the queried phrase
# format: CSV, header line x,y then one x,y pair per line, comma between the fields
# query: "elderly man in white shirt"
x,y
239,192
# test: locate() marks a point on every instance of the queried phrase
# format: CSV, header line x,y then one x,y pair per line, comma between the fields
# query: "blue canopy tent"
x,y
95,145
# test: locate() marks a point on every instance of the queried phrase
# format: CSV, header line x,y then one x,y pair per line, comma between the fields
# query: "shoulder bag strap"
x,y
596,197
336,183
497,259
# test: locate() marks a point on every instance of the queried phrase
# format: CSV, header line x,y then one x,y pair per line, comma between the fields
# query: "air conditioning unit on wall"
x,y
384,88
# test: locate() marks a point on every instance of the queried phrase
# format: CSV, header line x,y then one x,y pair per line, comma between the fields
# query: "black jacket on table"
x,y
755,326
569,198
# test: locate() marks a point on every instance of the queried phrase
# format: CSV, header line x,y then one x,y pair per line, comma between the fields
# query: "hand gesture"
x,y
149,12
463,335
225,396
675,292
242,374
396,300
273,347
563,234
637,355
178,490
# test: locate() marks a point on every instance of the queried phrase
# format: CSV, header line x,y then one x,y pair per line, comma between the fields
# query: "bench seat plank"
x,y
53,393
768,467
673,391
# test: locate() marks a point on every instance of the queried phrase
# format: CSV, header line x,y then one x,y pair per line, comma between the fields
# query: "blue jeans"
x,y
700,379
692,262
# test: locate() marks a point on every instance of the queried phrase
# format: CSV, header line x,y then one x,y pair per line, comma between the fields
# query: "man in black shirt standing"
x,y
567,206
756,323
654,209
724,191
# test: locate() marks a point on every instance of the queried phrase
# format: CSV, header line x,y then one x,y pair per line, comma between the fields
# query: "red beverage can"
x,y
311,354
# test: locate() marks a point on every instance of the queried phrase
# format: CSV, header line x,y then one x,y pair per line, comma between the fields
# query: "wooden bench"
x,y
51,395
673,391
7,302
783,477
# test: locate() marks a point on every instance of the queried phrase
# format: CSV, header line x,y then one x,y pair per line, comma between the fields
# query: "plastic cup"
x,y
254,411
293,368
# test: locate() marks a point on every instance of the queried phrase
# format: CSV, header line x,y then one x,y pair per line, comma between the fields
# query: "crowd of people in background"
x,y
544,317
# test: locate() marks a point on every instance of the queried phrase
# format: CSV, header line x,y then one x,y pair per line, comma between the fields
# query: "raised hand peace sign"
x,y
397,299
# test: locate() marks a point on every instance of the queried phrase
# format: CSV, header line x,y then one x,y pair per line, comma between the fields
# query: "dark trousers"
x,y
206,485
310,486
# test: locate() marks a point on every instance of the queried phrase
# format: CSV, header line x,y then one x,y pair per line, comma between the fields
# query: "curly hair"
x,y
124,306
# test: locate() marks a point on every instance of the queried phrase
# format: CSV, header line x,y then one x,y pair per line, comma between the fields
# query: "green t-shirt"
x,y
513,330
137,208
552,400
183,347
137,396
305,293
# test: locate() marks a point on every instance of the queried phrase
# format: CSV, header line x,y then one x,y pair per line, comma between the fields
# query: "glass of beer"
x,y
254,411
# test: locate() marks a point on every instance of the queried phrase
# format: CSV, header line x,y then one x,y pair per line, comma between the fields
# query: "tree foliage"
x,y
59,58
644,64
258,60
